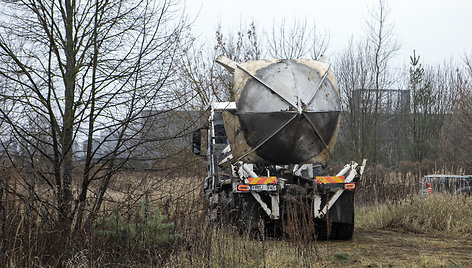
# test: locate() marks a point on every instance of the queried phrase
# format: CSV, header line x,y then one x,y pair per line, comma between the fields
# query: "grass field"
x,y
424,231
387,247
368,248
414,231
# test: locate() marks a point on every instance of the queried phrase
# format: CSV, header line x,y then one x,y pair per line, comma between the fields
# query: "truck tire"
x,y
337,231
321,231
248,216
341,231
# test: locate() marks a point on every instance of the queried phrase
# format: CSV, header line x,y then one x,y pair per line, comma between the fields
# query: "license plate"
x,y
264,187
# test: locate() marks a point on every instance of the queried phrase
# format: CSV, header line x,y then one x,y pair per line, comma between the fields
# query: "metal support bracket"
x,y
275,207
263,205
321,212
273,213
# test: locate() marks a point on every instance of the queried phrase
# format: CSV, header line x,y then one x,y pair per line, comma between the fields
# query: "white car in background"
x,y
454,184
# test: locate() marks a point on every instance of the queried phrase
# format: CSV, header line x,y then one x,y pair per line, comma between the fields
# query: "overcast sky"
x,y
437,29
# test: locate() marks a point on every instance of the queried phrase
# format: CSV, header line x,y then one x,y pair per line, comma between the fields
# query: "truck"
x,y
266,149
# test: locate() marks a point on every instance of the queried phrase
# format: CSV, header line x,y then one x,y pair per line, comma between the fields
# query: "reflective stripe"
x,y
330,179
262,180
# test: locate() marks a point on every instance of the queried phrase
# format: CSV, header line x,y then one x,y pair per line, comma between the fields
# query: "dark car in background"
x,y
454,184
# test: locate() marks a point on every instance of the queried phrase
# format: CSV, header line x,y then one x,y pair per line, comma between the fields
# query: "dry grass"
x,y
230,249
387,202
369,248
380,185
444,214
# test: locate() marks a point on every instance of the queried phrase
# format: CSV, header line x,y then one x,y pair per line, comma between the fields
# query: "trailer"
x,y
266,149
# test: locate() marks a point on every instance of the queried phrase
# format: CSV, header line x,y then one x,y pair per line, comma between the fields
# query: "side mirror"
x,y
197,141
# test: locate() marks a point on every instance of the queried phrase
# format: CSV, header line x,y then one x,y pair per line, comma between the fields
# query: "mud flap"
x,y
343,210
339,223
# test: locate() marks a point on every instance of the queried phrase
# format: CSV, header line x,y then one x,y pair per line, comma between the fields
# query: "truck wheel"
x,y
247,216
342,231
321,232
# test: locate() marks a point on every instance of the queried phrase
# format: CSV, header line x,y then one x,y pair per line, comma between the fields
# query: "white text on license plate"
x,y
264,187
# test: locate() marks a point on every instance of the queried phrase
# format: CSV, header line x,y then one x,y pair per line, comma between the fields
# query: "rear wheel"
x,y
247,214
321,231
333,231
342,231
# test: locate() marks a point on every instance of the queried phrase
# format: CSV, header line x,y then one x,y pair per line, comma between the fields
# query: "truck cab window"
x,y
220,133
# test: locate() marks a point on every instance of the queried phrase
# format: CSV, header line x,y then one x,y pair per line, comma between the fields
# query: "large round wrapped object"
x,y
289,112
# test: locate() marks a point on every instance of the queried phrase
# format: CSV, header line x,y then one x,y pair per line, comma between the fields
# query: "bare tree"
x,y
203,76
352,68
300,40
366,78
244,45
456,138
431,101
90,72
380,35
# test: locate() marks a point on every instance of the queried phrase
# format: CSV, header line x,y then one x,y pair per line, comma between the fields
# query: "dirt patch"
x,y
376,248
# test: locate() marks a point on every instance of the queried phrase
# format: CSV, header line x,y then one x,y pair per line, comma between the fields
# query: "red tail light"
x,y
350,186
243,188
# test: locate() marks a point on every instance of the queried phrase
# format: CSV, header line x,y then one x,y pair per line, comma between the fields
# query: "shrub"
x,y
151,231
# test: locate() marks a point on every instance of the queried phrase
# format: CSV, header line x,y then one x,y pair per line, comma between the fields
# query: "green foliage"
x,y
343,257
416,70
425,123
152,230
113,226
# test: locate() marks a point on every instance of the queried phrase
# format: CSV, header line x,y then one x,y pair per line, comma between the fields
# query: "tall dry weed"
x,y
432,214
380,184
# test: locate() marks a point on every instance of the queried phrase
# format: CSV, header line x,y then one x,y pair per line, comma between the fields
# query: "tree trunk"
x,y
68,119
